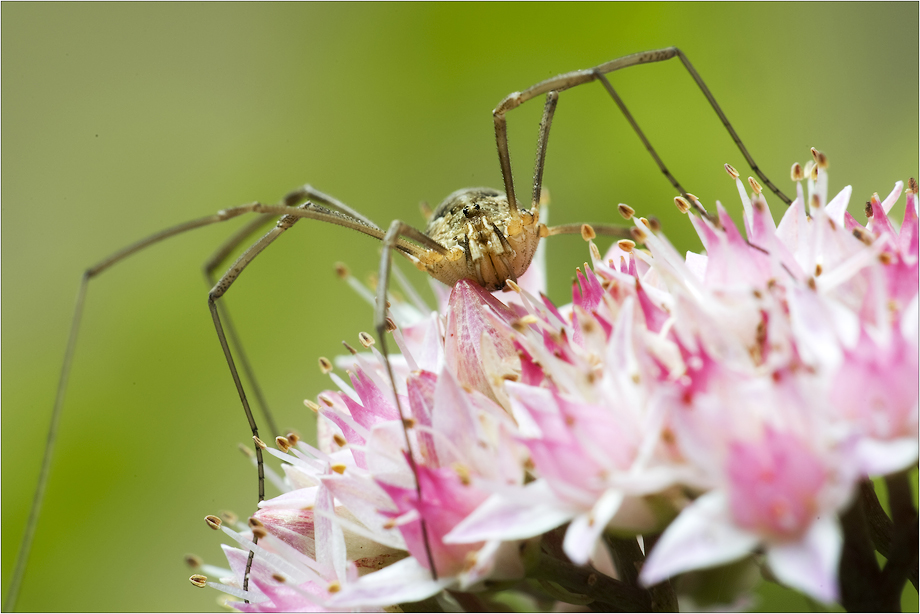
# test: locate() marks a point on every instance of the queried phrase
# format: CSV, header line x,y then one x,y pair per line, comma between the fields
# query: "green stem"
x,y
611,594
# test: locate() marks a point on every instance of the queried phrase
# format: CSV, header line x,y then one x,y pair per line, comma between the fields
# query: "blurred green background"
x,y
122,119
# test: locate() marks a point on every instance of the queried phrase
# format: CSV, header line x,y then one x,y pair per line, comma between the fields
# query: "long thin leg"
x,y
219,289
341,217
396,229
578,77
210,266
552,97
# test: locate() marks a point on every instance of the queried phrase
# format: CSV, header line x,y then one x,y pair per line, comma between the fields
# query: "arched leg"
x,y
568,80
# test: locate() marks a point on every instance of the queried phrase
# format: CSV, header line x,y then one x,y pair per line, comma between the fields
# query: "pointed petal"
x,y
701,536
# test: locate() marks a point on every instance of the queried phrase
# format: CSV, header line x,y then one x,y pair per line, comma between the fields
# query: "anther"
x,y
338,468
820,158
863,235
311,406
654,223
797,173
352,350
193,561
245,450
626,245
293,438
511,285
326,400
365,339
818,270
521,324
339,440
626,211
682,204
259,532
325,365
228,517
868,208
637,234
587,233
282,443
912,185
259,443
213,521
254,522
334,587
731,171
341,270
813,174
199,580
754,185
277,577
595,253
390,325
645,222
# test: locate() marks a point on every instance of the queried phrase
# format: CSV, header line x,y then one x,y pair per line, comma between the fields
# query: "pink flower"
x,y
730,400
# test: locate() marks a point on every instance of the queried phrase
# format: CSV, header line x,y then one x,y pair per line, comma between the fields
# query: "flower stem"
x,y
861,585
612,595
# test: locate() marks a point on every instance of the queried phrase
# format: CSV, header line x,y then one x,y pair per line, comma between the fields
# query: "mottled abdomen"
x,y
486,241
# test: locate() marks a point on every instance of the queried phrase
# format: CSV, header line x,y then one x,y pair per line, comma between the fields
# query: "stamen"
x,y
338,468
293,438
199,580
325,365
587,233
213,521
637,234
820,158
512,286
341,270
754,185
282,443
626,211
350,349
259,443
912,185
682,204
365,339
797,173
626,245
339,440
193,561
731,171
390,325
311,406
229,517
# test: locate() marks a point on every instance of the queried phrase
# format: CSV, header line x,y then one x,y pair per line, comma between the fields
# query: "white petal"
x,y
402,582
582,534
810,564
701,536
881,457
527,512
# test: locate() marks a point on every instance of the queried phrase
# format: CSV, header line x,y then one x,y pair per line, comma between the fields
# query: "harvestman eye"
x,y
481,234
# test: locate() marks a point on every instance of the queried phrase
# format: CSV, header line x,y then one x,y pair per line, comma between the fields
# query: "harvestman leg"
x,y
339,216
578,77
223,252
549,109
382,326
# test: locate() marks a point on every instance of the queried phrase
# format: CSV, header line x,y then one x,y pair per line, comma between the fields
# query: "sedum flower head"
x,y
713,405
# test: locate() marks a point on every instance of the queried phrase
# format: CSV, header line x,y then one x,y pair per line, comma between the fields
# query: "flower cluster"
x,y
680,413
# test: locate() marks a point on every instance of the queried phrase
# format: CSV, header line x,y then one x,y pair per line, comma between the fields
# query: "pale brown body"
x,y
485,241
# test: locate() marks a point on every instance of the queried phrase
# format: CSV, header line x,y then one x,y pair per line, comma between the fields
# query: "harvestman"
x,y
476,233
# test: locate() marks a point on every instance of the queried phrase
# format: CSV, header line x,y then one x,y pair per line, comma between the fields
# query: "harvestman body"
x,y
480,234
